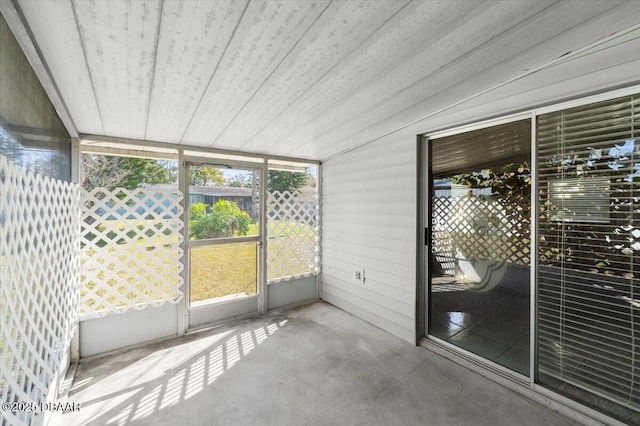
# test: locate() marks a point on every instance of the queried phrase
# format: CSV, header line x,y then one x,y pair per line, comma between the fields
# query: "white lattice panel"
x,y
293,248
39,252
131,253
476,228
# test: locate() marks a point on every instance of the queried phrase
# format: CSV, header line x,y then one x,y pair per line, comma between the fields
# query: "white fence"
x,y
293,235
477,227
39,246
131,250
121,250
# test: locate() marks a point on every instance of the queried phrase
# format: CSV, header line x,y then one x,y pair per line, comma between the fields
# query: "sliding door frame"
x,y
533,249
532,389
425,192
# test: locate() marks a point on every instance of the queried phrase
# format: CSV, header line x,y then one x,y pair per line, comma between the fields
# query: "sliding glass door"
x,y
586,262
589,255
479,256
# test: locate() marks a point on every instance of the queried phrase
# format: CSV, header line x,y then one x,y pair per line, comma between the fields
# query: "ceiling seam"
x,y
493,40
475,95
328,71
215,70
86,62
496,38
45,66
153,69
271,73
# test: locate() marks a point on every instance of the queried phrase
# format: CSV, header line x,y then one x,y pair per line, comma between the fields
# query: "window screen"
x,y
589,250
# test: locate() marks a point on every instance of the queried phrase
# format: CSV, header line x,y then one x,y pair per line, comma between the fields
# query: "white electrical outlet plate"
x,y
358,275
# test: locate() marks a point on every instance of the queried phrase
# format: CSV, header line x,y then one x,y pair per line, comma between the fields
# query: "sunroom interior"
x,y
416,206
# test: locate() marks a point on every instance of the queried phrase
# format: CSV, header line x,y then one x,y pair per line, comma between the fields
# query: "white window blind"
x,y
589,255
580,199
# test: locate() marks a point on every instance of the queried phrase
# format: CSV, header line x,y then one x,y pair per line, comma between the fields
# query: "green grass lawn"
x,y
223,269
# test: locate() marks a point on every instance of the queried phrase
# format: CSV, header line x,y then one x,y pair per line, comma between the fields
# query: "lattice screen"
x,y
479,228
293,248
39,252
131,250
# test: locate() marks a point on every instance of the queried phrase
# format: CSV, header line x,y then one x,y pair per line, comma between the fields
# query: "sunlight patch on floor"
x,y
167,376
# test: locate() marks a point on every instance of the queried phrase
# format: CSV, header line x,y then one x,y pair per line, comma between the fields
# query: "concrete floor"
x,y
315,365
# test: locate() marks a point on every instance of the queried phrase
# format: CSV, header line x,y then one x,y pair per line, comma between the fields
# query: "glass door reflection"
x,y
479,274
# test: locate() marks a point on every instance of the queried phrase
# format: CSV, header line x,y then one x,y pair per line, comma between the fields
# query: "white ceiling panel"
x,y
56,34
452,39
193,39
319,59
265,37
547,35
303,78
119,43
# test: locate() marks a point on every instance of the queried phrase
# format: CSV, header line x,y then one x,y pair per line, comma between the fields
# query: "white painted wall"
x,y
207,313
292,292
113,332
369,194
368,222
118,331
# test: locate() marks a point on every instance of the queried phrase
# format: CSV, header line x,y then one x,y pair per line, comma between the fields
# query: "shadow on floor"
x,y
314,365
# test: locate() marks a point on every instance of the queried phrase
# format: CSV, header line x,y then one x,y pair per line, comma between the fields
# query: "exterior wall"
x,y
370,193
197,198
368,222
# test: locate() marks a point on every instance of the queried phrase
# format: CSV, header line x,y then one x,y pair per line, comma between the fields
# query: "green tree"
x,y
224,220
280,180
205,176
124,172
240,181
